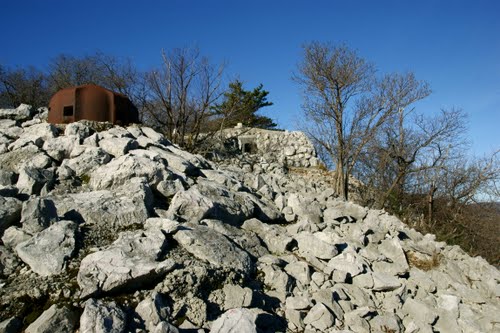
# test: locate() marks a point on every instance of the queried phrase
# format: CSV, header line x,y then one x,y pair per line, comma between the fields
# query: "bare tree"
x,y
181,94
23,85
410,144
346,104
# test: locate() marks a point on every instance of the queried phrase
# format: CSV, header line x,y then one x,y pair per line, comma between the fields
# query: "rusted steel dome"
x,y
91,102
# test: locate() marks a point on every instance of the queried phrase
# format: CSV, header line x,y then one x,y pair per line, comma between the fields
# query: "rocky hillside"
x,y
112,229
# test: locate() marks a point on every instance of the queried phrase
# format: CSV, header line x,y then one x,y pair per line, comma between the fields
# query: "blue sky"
x,y
453,45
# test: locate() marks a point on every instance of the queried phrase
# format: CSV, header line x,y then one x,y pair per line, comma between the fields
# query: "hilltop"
x,y
115,229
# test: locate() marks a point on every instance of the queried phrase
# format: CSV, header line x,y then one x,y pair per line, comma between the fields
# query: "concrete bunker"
x,y
91,102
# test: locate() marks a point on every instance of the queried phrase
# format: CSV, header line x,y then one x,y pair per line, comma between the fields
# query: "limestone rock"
x,y
11,325
47,252
21,113
85,159
319,317
56,319
308,243
127,263
237,297
152,311
207,200
211,246
38,214
10,211
32,180
101,317
61,147
235,320
118,146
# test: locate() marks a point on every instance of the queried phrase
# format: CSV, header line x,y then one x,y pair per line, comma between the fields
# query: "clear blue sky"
x,y
454,45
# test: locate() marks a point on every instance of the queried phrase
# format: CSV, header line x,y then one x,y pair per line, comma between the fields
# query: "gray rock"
x,y
118,146
273,236
385,282
127,263
348,262
170,187
13,236
308,243
120,170
276,279
38,214
101,317
298,303
21,113
152,311
155,136
245,239
300,271
11,325
56,319
419,312
78,129
32,180
166,225
7,177
10,211
237,297
338,209
319,317
165,327
235,320
61,147
213,247
329,298
47,252
9,262
177,163
125,206
206,200
85,159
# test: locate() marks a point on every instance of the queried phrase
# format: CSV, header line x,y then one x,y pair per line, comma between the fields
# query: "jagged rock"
x,y
166,225
10,211
213,247
329,299
101,317
319,317
55,319
273,236
276,279
13,236
47,252
348,262
245,239
131,260
32,180
7,177
168,188
308,243
165,327
78,129
61,147
237,297
11,325
120,170
155,136
235,320
85,159
390,322
9,262
38,214
21,113
125,206
176,162
419,312
207,200
300,271
152,311
118,146
298,303
384,282
338,209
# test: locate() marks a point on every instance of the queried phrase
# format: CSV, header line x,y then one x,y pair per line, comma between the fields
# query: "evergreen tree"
x,y
241,106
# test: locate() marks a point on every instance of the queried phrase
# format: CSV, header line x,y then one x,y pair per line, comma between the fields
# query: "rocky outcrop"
x,y
114,229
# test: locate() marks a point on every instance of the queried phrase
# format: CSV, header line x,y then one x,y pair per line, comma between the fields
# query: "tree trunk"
x,y
430,203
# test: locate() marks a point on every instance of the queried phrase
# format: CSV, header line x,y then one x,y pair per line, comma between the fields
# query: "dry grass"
x,y
423,264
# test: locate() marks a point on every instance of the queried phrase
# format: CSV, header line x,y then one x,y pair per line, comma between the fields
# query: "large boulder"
x,y
38,214
56,319
48,251
125,206
213,247
10,211
132,260
21,113
102,317
207,200
235,320
120,170
85,159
